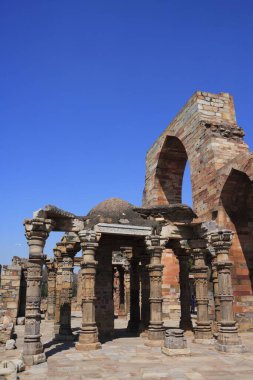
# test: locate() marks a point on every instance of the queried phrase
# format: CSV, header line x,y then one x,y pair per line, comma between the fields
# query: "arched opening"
x,y
237,200
170,171
187,187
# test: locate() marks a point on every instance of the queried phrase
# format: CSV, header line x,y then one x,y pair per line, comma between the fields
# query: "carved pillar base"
x,y
228,339
65,336
203,333
156,332
88,346
88,338
33,359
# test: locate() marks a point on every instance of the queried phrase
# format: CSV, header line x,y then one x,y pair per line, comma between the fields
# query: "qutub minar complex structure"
x,y
145,263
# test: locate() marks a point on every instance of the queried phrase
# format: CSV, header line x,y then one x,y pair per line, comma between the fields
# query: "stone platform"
x,y
127,357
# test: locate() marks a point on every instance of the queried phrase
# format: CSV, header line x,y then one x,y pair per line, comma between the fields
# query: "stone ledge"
x,y
176,352
230,348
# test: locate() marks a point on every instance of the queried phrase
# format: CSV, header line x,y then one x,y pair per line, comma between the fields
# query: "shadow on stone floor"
x,y
118,333
57,347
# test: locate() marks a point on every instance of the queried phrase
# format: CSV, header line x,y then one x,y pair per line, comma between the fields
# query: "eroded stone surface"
x,y
128,358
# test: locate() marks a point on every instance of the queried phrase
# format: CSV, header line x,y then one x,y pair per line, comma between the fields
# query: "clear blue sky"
x,y
88,85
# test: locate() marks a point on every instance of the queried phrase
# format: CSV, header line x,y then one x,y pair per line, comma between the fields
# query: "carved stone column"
x,y
216,297
37,231
116,291
228,339
65,332
122,309
202,331
156,330
58,285
127,290
88,339
128,253
185,294
51,289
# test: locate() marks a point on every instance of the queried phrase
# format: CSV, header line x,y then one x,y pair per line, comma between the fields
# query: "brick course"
x,y
205,133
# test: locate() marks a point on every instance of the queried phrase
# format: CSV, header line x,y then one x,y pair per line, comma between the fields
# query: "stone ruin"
x,y
146,262
13,297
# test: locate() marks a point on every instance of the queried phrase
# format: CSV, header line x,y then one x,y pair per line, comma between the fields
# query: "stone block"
x,y
174,339
19,364
8,371
20,320
10,344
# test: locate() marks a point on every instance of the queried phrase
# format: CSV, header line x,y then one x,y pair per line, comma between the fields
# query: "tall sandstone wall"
x,y
205,133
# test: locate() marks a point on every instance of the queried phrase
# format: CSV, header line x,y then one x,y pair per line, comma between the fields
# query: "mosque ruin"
x,y
144,263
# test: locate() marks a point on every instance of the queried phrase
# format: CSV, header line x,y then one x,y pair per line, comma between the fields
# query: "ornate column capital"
x,y
154,248
51,266
198,251
38,227
221,240
66,249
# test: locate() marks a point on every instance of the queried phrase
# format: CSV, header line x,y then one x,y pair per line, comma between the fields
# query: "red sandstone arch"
x,y
170,170
205,131
237,201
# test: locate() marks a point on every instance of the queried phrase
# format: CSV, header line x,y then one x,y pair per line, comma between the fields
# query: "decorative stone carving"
x,y
228,339
51,289
182,252
155,268
65,332
175,343
64,254
202,331
216,296
88,338
224,130
37,231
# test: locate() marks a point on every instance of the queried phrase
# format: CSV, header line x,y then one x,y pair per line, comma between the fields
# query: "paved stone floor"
x,y
128,358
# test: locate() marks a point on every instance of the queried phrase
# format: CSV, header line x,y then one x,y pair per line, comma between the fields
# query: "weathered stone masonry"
x,y
134,260
205,133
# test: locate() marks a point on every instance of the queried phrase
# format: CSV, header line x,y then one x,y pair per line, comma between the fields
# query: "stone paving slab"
x,y
128,358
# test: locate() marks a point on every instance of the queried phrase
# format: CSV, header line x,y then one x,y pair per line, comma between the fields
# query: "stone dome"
x,y
114,210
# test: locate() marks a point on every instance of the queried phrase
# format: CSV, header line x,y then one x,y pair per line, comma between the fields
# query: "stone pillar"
x,y
58,285
216,297
51,290
185,294
134,322
122,309
202,331
127,290
156,330
228,339
37,231
88,339
127,253
65,332
116,291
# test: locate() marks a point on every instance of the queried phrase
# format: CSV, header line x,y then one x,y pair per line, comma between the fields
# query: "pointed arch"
x,y
170,170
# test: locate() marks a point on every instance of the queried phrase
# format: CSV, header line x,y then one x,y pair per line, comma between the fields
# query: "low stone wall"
x,y
10,291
